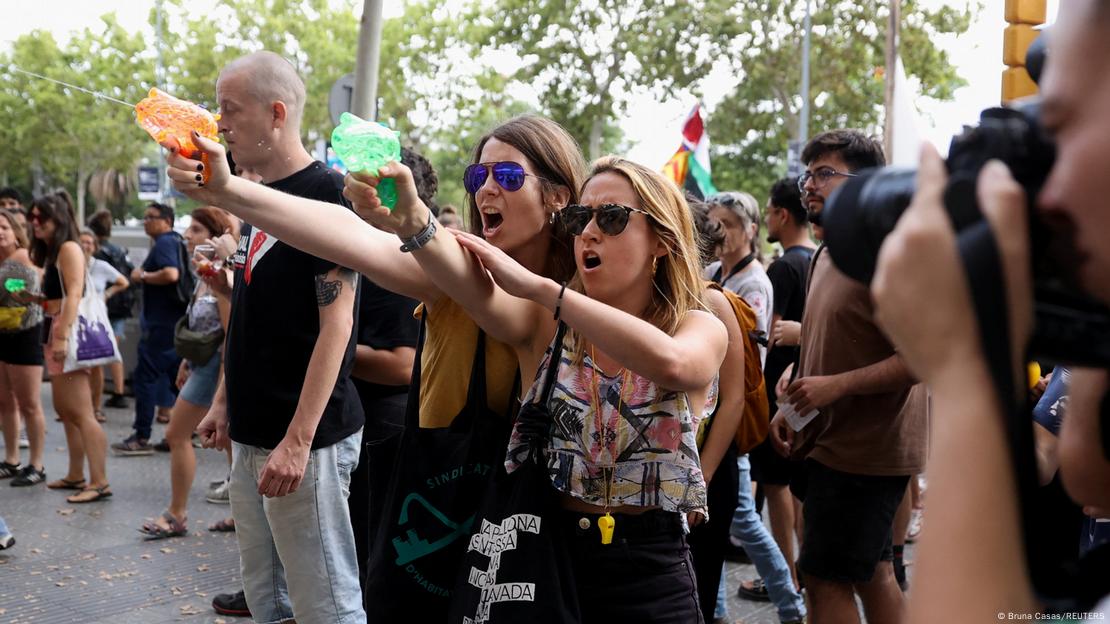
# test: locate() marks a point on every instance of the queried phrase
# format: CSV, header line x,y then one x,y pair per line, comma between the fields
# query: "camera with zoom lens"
x,y
1070,327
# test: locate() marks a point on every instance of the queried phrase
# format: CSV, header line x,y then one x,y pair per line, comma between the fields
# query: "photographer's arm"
x,y
970,566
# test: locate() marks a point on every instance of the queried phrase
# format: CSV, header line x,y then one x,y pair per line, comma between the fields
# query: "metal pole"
x,y
159,72
891,76
803,121
365,102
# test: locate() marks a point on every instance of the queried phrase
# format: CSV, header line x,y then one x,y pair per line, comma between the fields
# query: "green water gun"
x,y
368,146
14,285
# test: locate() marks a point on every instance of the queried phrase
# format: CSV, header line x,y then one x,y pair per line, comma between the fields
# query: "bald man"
x,y
287,403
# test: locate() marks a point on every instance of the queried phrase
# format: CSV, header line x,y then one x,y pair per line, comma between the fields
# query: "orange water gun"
x,y
163,116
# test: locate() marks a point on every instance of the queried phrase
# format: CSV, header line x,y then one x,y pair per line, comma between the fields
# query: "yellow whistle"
x,y
606,523
1034,371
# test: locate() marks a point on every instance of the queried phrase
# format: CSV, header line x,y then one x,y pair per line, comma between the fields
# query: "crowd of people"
x,y
560,387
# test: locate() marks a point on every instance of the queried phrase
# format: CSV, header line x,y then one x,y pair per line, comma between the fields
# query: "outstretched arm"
x,y
688,360
322,229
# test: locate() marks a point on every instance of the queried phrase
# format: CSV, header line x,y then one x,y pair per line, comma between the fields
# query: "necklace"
x,y
606,524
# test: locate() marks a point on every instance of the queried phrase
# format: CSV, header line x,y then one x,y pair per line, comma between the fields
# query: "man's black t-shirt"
x,y
788,279
385,321
274,325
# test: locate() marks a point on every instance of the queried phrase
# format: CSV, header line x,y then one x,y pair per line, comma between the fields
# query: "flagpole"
x,y
892,28
803,121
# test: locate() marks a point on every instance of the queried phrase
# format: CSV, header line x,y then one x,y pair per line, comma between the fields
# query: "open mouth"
x,y
491,223
590,261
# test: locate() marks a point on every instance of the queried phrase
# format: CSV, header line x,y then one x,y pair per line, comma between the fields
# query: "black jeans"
x,y
645,575
709,541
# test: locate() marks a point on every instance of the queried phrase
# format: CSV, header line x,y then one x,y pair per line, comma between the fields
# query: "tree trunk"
x,y
82,186
595,137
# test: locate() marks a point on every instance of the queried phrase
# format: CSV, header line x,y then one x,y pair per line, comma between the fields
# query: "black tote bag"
x,y
435,485
514,570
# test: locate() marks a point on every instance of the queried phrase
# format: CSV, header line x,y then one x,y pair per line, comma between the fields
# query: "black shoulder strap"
x,y
412,408
553,364
740,266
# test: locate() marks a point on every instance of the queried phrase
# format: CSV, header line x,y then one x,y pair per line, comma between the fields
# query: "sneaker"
x,y
29,476
133,446
231,604
7,471
753,590
220,495
7,540
23,441
163,446
116,401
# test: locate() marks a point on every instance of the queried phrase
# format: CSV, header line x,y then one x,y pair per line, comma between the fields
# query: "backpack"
x,y
119,306
755,422
186,281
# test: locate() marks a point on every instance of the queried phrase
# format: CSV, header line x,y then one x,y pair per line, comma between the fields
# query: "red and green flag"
x,y
689,167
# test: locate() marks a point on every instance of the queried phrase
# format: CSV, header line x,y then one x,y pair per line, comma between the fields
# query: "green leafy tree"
x,y
750,128
590,60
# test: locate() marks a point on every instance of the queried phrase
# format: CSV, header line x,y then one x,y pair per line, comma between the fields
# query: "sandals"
x,y
163,416
90,495
100,417
66,484
153,531
226,525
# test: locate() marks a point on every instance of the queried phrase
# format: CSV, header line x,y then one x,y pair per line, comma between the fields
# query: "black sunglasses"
x,y
611,218
508,174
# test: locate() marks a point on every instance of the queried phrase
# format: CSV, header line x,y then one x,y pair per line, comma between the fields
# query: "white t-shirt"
x,y
103,275
754,287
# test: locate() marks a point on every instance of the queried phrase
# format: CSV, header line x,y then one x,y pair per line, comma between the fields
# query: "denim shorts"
x,y
118,327
200,387
297,552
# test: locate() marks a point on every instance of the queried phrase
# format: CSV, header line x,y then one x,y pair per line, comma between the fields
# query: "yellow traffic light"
x,y
1016,42
1022,16
1026,11
1017,84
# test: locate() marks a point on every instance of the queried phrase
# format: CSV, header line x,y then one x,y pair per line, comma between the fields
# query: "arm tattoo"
x,y
327,291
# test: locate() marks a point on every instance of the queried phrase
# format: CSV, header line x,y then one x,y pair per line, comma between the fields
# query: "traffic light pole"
x,y
365,102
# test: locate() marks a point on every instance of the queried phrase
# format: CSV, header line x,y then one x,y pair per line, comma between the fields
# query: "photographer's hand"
x,y
919,269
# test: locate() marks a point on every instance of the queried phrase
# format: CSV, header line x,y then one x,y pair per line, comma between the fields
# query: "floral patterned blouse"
x,y
619,440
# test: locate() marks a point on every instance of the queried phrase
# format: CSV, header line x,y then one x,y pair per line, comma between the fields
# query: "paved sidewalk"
x,y
88,563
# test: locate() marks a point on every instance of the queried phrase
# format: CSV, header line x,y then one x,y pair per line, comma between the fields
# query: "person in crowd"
x,y
862,445
787,225
208,315
120,305
642,343
108,283
20,356
448,217
977,561
11,201
55,248
543,169
286,404
158,363
740,267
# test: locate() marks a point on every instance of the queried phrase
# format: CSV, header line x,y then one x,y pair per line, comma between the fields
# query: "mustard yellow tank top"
x,y
449,341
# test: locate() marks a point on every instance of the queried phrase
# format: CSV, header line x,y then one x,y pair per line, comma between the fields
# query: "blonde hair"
x,y
20,232
677,283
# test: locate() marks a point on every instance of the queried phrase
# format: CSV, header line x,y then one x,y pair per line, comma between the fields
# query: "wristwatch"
x,y
423,237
